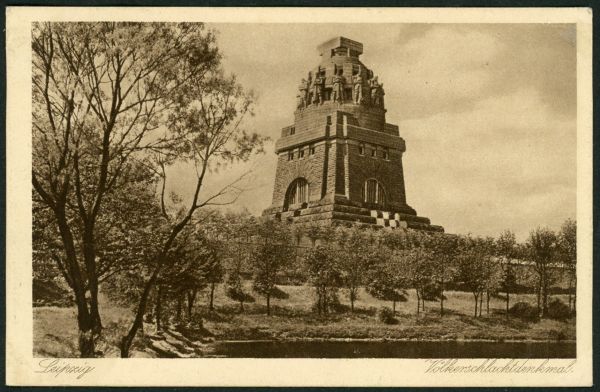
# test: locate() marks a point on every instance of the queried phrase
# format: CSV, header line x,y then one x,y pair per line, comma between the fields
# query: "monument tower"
x,y
340,162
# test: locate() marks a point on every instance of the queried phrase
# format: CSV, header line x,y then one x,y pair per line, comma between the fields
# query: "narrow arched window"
x,y
297,192
373,192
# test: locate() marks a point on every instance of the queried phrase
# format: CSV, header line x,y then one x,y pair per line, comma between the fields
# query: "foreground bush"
x,y
558,310
50,293
386,315
524,311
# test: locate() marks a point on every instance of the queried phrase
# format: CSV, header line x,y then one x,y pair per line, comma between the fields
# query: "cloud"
x,y
488,113
444,69
503,164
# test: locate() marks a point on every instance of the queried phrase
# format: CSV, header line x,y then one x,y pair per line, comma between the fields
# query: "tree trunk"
x,y
158,308
179,306
507,283
480,303
545,297
212,297
319,301
127,340
89,258
84,317
442,298
418,303
191,298
476,301
539,295
570,294
487,299
268,304
507,301
394,307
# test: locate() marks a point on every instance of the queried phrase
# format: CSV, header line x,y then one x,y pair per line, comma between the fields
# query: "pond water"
x,y
403,349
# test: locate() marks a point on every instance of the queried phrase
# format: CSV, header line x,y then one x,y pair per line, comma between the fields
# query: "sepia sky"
x,y
488,113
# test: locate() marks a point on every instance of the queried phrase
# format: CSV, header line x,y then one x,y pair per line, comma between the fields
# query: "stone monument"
x,y
340,162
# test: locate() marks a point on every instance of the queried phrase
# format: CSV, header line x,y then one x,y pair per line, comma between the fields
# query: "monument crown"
x,y
340,46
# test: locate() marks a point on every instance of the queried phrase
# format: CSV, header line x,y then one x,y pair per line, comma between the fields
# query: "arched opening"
x,y
297,193
373,192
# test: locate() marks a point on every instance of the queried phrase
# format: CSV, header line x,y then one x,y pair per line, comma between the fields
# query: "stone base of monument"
x,y
343,211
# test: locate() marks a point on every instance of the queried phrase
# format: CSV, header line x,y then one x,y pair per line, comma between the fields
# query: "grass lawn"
x,y
55,332
293,318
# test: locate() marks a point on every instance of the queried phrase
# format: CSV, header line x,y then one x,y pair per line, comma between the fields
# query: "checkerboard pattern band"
x,y
386,219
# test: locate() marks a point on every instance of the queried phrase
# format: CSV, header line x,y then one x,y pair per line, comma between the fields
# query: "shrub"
x,y
385,315
51,293
433,292
557,335
333,303
238,295
558,310
524,311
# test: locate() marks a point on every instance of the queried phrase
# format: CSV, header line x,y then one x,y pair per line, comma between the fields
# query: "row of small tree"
x,y
387,263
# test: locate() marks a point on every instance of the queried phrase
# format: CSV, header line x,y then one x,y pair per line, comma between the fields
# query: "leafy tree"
x,y
567,244
507,251
240,229
419,271
272,253
493,274
207,117
324,275
214,269
235,281
354,256
444,249
314,232
542,248
100,91
387,278
212,235
473,272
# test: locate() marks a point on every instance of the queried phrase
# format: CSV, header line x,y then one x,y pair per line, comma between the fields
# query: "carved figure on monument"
x,y
376,92
308,88
379,93
338,89
318,89
302,97
357,81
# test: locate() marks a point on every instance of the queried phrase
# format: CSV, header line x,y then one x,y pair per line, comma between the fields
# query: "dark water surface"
x,y
404,349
